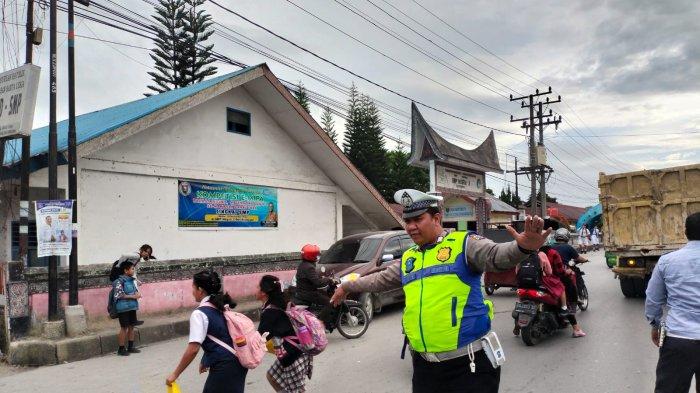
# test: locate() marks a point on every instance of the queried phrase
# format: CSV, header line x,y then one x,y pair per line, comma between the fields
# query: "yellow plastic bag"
x,y
174,388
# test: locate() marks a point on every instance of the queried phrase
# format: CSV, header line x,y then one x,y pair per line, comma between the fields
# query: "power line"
x,y
402,95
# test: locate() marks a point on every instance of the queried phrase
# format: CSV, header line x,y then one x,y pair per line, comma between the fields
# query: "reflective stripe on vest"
x,y
445,308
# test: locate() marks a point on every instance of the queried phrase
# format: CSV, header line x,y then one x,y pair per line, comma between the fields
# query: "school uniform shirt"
x,y
277,323
201,324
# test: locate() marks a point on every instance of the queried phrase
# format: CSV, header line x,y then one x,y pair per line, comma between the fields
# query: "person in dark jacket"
x,y
292,367
309,282
226,374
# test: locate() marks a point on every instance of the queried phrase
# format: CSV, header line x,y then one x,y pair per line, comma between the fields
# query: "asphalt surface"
x,y
616,356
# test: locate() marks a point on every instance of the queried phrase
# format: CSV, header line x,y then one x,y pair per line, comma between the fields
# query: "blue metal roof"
x,y
94,124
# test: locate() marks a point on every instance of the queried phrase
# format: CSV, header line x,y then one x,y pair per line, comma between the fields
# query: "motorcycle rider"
x,y
567,253
309,283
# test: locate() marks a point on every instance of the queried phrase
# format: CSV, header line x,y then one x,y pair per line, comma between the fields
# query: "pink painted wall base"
x,y
157,297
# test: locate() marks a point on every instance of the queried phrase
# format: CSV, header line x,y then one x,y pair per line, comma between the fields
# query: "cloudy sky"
x,y
628,71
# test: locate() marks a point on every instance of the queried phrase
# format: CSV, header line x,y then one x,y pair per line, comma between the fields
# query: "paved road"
x,y
617,356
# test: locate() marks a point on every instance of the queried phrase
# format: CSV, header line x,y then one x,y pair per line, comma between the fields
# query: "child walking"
x,y
127,302
289,372
226,374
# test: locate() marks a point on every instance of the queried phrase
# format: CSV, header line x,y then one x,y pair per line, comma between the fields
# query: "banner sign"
x,y
18,90
54,221
226,205
457,209
458,180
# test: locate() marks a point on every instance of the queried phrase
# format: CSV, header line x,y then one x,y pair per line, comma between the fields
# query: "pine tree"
x,y
401,175
198,57
328,124
169,46
363,143
301,97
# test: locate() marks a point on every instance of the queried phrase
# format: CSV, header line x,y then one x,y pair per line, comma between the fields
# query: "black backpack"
x,y
115,272
530,273
112,302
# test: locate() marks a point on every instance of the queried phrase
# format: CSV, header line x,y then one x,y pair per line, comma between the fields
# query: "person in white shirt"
x,y
584,236
226,374
595,238
46,234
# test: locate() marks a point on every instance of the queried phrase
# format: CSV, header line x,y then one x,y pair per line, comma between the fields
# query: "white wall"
x,y
128,191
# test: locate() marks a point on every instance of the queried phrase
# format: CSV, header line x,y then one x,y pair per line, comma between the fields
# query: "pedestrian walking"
x,y
584,239
226,374
127,302
595,238
675,285
446,317
289,372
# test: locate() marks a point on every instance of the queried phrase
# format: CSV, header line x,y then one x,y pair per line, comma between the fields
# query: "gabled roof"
x,y
98,130
499,206
94,124
426,144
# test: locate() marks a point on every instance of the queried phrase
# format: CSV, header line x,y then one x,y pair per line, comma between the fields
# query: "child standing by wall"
x,y
126,295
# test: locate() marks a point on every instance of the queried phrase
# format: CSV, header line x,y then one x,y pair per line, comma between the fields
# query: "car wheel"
x,y
367,302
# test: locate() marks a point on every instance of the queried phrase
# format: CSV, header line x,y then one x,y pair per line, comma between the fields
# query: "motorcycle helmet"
x,y
562,234
310,252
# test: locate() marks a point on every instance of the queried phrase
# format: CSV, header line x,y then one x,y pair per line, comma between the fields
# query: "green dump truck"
x,y
644,216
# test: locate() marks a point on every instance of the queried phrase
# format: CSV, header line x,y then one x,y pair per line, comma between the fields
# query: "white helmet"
x,y
562,234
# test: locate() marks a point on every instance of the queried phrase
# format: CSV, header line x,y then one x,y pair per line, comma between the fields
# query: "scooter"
x,y
350,319
537,313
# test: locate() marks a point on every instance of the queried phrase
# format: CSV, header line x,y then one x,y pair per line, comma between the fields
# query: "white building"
x,y
243,129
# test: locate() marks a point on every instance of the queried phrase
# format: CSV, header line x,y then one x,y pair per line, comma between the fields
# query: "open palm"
x,y
534,235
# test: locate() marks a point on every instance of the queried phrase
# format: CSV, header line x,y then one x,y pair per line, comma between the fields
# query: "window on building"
x,y
237,121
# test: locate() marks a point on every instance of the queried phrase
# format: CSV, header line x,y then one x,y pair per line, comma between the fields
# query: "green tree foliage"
x,y
509,197
328,124
401,175
198,56
363,142
180,56
301,97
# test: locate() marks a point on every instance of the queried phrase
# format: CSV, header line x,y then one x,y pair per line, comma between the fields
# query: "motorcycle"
x,y
350,318
537,313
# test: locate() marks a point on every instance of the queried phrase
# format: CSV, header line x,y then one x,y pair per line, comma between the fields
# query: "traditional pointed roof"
x,y
427,144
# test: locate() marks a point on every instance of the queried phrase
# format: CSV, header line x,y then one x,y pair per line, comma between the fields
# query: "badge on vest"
x,y
444,254
410,265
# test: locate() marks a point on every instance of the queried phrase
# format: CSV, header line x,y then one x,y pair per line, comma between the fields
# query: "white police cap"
x,y
415,202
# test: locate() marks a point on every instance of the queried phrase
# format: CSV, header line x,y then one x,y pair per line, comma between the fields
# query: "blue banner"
x,y
226,205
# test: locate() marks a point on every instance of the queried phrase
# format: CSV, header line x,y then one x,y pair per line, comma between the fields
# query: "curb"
x,y
38,352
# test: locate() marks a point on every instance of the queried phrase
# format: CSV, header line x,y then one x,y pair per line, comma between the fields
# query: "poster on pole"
x,y
53,227
226,205
18,88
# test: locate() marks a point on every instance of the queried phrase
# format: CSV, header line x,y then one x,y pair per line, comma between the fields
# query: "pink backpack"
x,y
250,354
310,331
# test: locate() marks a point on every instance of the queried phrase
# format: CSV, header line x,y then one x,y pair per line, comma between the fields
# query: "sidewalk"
x,y
102,338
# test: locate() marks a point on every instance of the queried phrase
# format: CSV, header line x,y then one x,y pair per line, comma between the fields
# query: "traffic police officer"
x,y
445,310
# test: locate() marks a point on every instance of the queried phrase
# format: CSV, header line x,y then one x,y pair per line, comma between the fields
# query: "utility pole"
x,y
26,144
72,154
538,163
53,155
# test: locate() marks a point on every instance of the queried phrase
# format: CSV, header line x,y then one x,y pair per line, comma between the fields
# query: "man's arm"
x,y
483,255
656,295
378,282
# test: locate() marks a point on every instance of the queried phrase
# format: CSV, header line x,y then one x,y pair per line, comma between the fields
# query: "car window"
x,y
349,251
406,243
393,247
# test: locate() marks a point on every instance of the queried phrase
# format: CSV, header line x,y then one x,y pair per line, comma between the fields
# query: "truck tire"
x,y
627,286
640,285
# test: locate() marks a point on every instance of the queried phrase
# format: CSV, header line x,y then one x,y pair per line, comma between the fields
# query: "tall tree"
x,y
169,46
363,142
181,56
301,97
401,175
328,124
197,26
